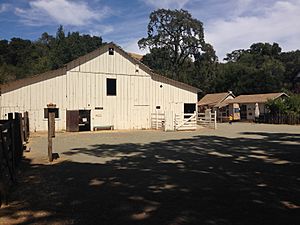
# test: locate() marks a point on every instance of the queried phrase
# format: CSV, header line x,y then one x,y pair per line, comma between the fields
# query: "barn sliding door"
x,y
72,120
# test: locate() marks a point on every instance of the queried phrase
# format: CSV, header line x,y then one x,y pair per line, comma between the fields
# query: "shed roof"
x,y
12,85
257,98
214,99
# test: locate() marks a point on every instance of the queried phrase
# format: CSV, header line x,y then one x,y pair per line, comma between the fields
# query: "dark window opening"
x,y
111,51
48,110
189,107
111,87
158,107
84,120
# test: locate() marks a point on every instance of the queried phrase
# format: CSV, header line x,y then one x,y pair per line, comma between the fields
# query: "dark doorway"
x,y
72,120
189,108
243,112
84,120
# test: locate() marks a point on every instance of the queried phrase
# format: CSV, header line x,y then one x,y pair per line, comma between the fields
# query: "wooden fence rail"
x,y
207,120
14,134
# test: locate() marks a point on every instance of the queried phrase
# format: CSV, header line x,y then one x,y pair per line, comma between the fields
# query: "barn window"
x,y
47,110
111,51
111,87
189,107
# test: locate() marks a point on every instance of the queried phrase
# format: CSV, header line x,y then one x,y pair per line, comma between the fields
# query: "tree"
x,y
176,32
205,69
254,70
159,60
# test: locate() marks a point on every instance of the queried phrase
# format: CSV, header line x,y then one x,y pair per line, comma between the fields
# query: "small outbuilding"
x,y
219,102
107,88
249,104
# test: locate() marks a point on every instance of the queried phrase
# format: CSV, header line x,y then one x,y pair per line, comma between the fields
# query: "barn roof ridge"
x,y
15,84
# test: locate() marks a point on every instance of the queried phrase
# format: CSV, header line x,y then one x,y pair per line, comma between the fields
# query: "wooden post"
x,y
156,120
51,118
10,116
18,135
51,129
13,147
215,120
26,133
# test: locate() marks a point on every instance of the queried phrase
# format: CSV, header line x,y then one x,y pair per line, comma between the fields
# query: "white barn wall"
x,y
84,87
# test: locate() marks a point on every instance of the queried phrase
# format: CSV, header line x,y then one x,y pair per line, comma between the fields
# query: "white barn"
x,y
106,87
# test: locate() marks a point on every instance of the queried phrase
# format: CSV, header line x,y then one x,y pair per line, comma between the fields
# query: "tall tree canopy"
x,y
258,69
176,35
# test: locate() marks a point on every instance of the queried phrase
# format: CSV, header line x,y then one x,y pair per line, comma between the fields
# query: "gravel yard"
x,y
238,174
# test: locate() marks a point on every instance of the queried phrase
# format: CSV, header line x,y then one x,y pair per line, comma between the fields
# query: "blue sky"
x,y
228,24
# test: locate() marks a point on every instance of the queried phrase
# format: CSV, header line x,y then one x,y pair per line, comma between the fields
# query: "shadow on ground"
x,y
202,180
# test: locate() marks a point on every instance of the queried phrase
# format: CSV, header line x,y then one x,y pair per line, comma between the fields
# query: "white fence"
x,y
186,122
207,119
157,121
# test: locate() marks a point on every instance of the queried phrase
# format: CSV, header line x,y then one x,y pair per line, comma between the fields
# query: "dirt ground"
x,y
238,174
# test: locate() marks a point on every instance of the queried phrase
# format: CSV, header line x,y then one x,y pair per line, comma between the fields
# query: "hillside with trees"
x,y
177,49
21,58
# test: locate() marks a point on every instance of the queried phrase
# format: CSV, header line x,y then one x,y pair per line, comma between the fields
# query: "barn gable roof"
x,y
13,85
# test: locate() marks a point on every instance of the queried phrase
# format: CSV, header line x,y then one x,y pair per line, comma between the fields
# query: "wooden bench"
x,y
108,127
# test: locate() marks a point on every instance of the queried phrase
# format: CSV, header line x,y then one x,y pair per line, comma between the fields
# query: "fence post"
x,y
13,146
26,133
18,136
156,120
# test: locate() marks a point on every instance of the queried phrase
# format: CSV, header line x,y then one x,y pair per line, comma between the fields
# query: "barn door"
x,y
72,120
141,118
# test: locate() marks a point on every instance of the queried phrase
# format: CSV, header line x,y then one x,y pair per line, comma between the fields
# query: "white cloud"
x,y
100,30
278,22
65,12
167,4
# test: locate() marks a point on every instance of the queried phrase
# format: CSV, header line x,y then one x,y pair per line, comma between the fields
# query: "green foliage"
x,y
176,33
277,106
293,104
21,58
254,70
205,69
290,106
